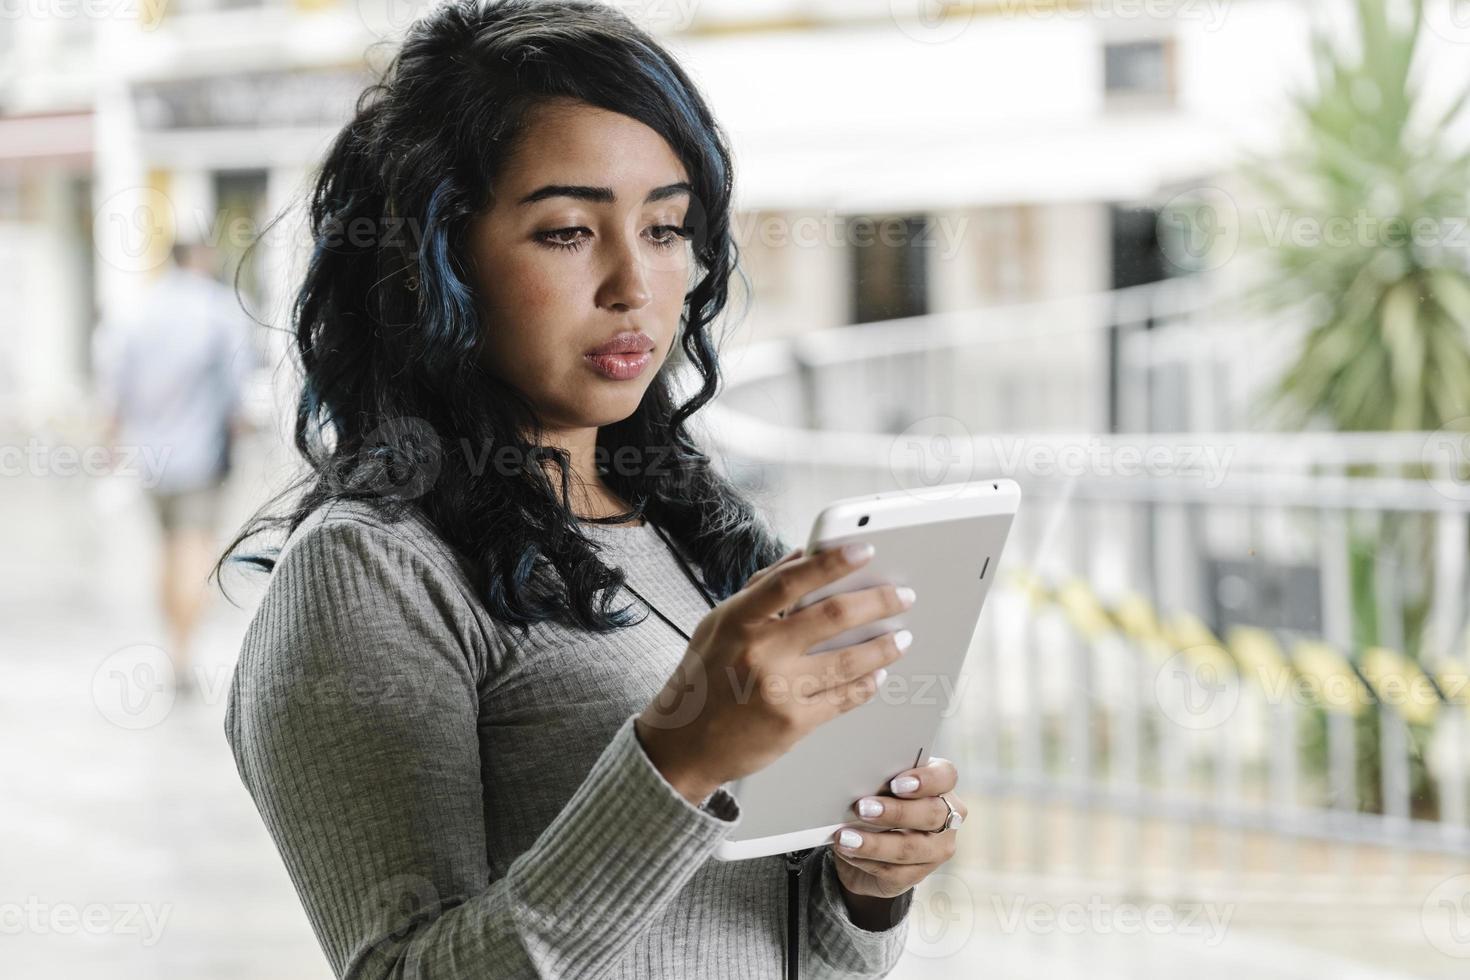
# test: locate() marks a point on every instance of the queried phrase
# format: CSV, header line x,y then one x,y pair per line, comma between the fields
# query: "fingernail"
x,y
849,838
904,784
902,639
879,676
869,807
857,551
906,596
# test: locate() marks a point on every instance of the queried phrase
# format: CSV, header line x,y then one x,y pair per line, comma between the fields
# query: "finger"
x,y
934,777
864,864
787,584
928,813
898,878
759,573
839,613
896,846
846,664
844,697
794,554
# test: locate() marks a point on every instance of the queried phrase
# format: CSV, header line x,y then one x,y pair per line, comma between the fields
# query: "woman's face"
x,y
579,246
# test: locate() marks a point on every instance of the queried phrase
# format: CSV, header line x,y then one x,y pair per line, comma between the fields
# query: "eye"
x,y
669,236
554,238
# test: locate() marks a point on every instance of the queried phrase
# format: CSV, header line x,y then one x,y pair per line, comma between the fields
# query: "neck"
x,y
590,496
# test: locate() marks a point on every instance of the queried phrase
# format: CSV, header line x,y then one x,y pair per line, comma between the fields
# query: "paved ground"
x,y
129,850
128,847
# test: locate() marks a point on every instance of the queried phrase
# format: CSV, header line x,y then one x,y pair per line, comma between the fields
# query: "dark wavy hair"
x,y
397,406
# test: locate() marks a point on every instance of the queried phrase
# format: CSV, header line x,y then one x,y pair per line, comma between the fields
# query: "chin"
x,y
618,409
608,409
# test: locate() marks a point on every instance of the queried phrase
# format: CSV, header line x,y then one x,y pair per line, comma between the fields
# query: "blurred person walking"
x,y
170,376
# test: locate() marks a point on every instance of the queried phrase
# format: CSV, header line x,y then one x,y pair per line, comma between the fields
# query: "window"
x,y
889,266
1140,71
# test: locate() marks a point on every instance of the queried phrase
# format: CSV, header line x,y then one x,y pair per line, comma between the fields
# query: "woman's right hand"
x,y
747,690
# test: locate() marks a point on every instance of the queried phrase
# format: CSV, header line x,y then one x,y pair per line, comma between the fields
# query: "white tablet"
x,y
945,543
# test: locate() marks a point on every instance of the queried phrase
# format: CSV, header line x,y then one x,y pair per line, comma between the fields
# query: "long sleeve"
x,y
353,720
841,947
109,365
237,357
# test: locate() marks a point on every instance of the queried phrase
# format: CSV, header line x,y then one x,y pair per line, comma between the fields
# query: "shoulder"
x,y
350,564
357,527
363,630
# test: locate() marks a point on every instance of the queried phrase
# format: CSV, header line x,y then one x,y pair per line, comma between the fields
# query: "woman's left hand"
x,y
890,860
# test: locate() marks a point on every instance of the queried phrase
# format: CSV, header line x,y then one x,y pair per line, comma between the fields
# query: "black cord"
x,y
689,572
793,910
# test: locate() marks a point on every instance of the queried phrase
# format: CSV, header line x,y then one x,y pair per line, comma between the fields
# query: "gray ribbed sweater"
x,y
451,801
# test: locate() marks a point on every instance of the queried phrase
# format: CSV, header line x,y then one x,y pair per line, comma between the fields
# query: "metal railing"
x,y
1136,660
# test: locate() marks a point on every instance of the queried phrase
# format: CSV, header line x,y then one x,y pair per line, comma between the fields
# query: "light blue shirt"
x,y
173,371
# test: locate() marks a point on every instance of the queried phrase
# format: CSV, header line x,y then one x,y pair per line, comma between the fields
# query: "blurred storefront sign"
x,y
249,100
50,139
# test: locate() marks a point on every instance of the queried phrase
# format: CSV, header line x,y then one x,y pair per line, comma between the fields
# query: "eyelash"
x,y
680,232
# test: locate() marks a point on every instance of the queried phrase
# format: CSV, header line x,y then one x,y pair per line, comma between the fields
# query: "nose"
x,y
625,284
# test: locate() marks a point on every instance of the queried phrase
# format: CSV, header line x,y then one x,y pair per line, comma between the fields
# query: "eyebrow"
x,y
600,195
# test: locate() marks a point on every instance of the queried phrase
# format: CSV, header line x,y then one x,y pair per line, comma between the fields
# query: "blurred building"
x,y
890,163
895,158
46,163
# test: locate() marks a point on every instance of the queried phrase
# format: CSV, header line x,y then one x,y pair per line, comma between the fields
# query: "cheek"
x,y
529,310
669,289
530,286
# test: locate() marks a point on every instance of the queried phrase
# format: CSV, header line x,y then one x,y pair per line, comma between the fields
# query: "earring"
x,y
412,283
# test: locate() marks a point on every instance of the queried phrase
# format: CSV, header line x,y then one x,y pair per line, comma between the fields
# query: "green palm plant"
x,y
1372,179
1382,279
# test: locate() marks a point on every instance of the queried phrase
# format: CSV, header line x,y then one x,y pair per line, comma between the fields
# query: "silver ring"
x,y
952,819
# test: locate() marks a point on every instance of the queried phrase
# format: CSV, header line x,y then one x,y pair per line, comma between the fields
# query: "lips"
x,y
624,342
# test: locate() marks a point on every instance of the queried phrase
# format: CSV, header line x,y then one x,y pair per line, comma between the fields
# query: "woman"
x,y
473,761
